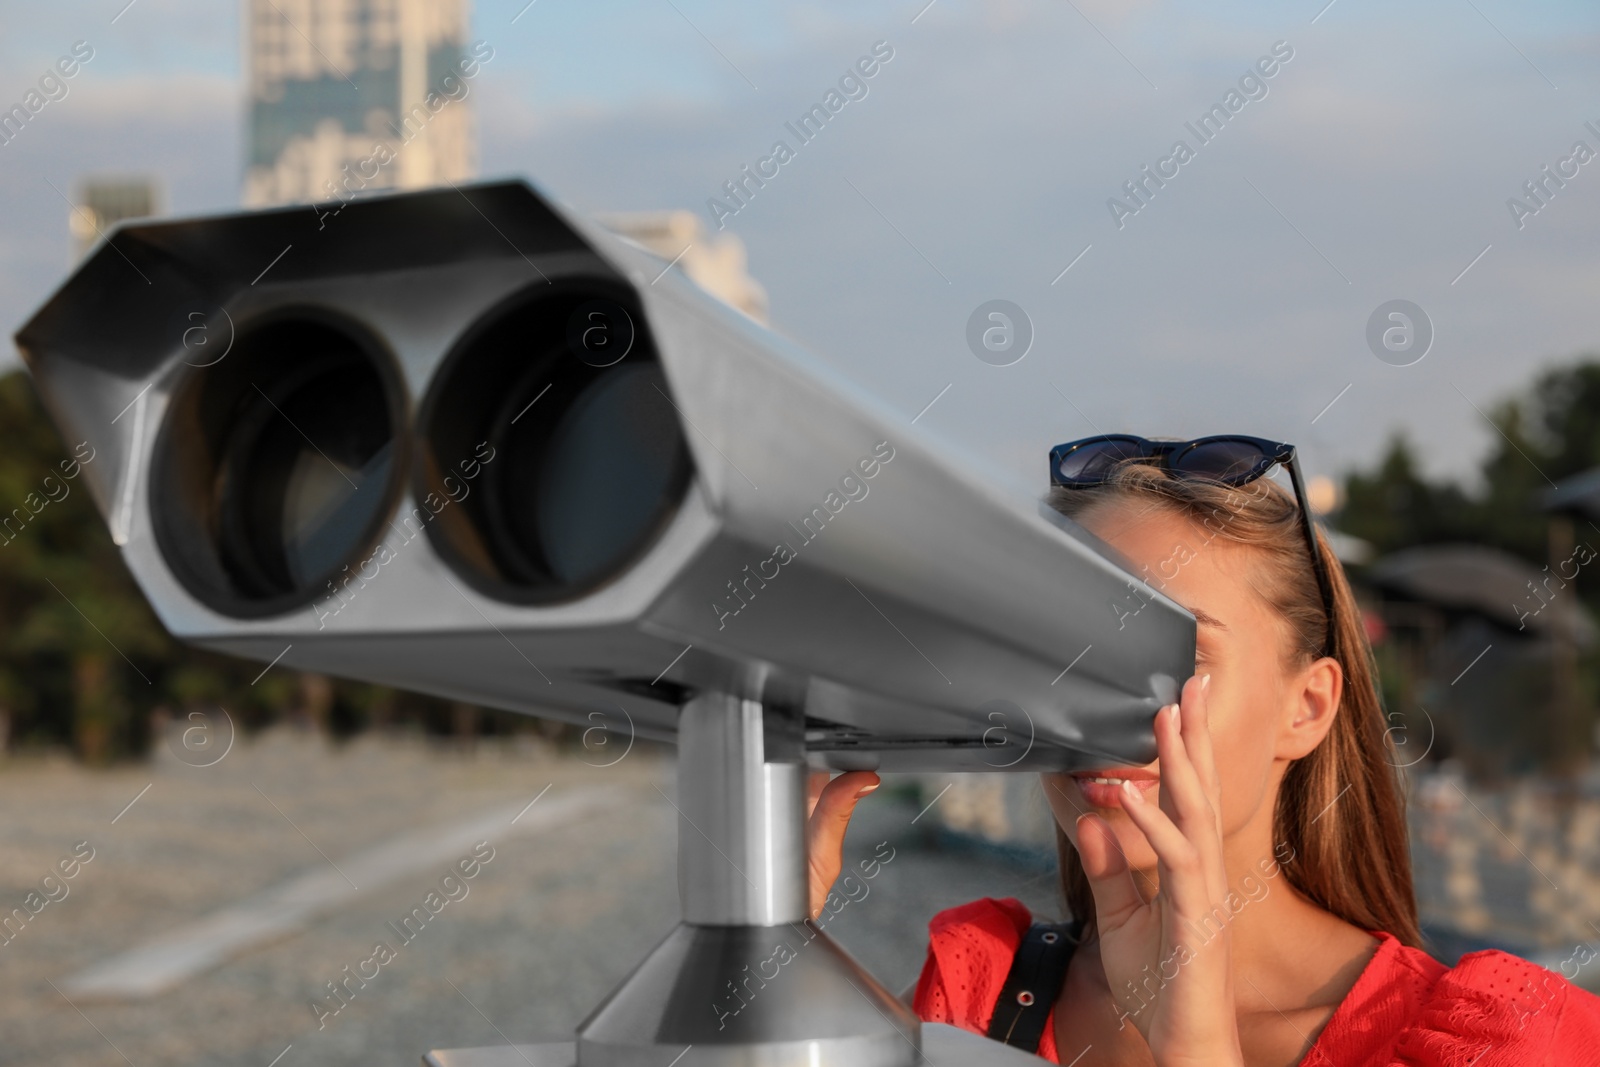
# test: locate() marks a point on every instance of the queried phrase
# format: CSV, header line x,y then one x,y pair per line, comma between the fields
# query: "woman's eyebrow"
x,y
1205,618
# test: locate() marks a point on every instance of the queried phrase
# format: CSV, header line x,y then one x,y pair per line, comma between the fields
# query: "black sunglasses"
x,y
1232,459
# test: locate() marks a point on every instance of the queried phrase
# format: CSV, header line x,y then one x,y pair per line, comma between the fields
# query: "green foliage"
x,y
68,607
1550,432
1565,408
1394,507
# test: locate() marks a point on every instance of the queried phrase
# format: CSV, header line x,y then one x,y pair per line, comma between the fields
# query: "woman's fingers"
x,y
1184,797
816,781
831,808
1197,734
1181,862
1192,1019
836,799
1195,721
1116,897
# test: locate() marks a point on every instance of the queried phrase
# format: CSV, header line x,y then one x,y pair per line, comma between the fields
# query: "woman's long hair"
x,y
1341,807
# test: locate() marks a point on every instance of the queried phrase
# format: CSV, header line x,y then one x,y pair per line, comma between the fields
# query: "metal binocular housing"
x,y
470,443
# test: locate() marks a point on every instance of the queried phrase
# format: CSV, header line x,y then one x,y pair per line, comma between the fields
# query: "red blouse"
x,y
1406,1007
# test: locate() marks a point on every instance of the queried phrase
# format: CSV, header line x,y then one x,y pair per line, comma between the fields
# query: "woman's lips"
x,y
1103,788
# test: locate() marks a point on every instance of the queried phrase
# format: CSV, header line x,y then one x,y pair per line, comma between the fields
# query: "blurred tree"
x,y
1395,507
1549,432
64,593
1565,406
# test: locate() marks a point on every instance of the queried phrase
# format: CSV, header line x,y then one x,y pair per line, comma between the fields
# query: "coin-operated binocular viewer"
x,y
469,443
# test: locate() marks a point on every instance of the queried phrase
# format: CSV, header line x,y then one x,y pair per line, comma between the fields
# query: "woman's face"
x,y
1240,642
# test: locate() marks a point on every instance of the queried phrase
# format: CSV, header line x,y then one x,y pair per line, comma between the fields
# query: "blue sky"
x,y
1377,167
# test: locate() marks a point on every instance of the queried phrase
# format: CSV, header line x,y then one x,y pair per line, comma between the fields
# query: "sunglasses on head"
x,y
1231,459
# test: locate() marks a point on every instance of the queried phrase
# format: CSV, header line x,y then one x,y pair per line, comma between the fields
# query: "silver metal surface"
x,y
553,1054
942,1046
743,996
834,585
746,980
741,822
932,616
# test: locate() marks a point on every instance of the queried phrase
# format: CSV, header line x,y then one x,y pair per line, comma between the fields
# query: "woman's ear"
x,y
1312,701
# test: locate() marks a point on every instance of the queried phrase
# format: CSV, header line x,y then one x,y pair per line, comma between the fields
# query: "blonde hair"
x,y
1341,807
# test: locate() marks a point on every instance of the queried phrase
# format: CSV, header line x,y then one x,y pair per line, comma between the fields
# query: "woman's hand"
x,y
828,809
1168,960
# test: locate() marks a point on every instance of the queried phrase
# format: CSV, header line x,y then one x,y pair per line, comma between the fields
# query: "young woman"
x,y
1247,897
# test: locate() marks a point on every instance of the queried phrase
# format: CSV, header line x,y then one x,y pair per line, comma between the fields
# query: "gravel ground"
x,y
551,925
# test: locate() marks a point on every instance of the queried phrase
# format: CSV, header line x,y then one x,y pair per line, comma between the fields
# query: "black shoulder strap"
x,y
1037,971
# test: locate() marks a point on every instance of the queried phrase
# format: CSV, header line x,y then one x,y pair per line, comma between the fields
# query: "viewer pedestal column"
x,y
744,980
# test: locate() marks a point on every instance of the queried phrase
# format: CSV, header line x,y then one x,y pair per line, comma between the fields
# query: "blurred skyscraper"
x,y
356,95
104,201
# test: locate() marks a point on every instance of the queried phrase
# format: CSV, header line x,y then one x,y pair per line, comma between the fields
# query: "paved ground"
x,y
581,886
552,922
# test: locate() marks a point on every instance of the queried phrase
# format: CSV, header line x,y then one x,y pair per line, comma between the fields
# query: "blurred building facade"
x,y
371,88
714,263
105,201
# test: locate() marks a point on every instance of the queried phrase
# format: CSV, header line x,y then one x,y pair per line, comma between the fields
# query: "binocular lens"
x,y
277,465
601,479
550,458
583,458
302,479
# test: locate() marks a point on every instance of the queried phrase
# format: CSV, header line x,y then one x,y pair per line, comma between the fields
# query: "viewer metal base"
x,y
736,996
942,1046
745,980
